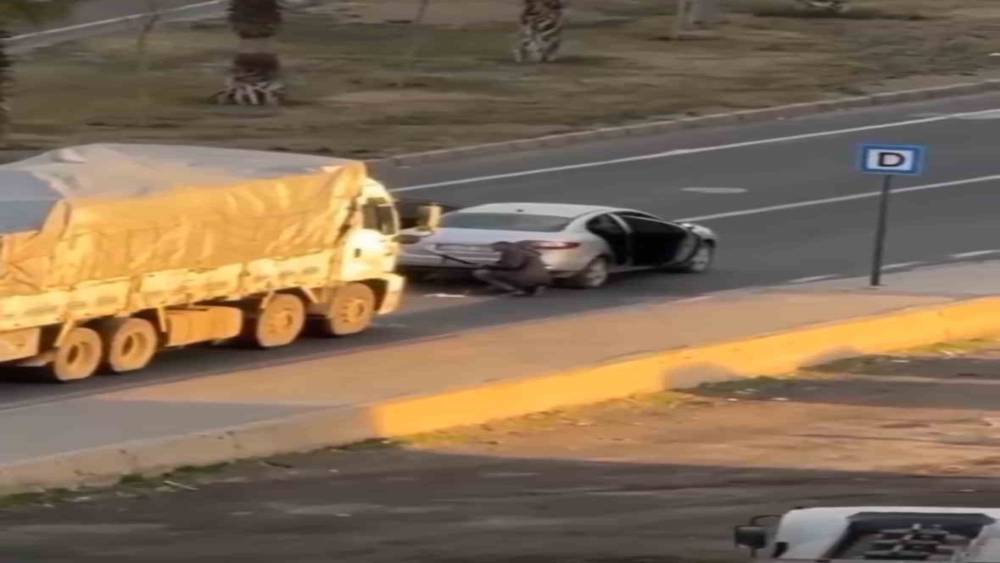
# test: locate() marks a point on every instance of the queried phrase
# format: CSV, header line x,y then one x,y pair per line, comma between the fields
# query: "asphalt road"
x,y
806,213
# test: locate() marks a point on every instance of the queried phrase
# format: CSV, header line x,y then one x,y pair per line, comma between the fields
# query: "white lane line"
x,y
839,199
680,152
974,254
99,23
983,116
900,265
812,279
714,191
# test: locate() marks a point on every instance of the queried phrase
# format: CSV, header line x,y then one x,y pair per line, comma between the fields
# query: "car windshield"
x,y
505,222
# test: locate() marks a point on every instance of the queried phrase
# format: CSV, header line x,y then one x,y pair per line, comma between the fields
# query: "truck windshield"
x,y
505,222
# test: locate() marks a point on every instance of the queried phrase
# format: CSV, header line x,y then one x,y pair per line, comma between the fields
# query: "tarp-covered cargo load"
x,y
100,212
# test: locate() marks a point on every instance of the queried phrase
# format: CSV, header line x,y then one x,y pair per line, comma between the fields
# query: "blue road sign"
x,y
905,160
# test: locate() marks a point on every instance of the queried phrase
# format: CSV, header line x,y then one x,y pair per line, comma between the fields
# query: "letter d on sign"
x,y
890,159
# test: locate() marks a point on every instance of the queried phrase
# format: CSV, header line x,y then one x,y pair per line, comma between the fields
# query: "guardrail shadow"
x,y
950,383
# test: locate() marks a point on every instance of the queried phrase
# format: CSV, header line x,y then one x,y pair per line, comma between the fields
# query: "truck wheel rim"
x,y
73,354
78,359
354,311
133,345
281,322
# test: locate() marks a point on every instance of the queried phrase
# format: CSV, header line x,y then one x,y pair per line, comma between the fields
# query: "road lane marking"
x,y
714,191
900,265
681,152
983,116
810,279
840,199
974,254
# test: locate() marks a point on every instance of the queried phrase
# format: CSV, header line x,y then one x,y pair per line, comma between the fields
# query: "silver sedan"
x,y
581,244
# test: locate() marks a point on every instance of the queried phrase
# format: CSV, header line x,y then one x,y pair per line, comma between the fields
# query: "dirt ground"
x,y
659,478
355,92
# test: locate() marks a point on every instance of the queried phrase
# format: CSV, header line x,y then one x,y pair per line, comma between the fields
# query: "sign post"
x,y
889,161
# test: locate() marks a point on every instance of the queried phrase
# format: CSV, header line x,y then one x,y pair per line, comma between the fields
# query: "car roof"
x,y
567,210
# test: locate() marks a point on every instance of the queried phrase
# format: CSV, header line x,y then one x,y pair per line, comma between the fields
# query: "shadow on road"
x,y
397,504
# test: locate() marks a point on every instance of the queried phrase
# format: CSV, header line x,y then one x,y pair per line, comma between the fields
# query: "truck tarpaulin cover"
x,y
99,212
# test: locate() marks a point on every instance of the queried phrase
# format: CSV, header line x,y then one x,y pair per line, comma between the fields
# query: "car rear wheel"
x,y
595,274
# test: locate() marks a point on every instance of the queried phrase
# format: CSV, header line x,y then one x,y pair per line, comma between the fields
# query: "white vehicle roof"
x,y
566,210
811,533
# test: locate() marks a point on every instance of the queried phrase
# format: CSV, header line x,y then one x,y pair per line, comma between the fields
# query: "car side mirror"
x,y
751,537
429,217
406,238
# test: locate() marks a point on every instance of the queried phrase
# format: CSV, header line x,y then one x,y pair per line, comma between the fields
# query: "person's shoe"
x,y
537,290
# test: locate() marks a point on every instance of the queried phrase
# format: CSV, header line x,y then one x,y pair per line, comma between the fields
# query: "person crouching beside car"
x,y
519,270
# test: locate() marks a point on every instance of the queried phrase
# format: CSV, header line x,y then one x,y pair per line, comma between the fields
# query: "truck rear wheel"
x,y
129,344
278,324
351,311
78,357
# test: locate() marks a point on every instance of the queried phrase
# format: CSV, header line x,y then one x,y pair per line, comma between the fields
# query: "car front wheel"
x,y
701,261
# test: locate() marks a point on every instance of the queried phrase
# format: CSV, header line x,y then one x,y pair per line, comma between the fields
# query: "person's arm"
x,y
509,260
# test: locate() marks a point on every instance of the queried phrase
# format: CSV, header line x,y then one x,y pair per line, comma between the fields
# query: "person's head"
x,y
500,246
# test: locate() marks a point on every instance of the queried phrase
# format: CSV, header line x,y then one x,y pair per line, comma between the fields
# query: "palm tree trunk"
x,y
255,77
705,13
6,79
540,35
417,38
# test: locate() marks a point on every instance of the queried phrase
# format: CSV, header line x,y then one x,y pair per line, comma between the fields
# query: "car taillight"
x,y
552,245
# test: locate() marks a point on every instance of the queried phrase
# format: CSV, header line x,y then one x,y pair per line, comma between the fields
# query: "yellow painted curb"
x,y
771,354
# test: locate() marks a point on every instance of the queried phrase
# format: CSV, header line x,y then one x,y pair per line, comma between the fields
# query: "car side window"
x,y
605,224
641,224
640,215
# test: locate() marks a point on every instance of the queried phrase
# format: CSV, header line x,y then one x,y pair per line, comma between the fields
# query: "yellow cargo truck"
x,y
110,253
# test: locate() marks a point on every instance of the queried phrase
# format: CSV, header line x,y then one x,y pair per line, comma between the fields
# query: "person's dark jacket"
x,y
521,265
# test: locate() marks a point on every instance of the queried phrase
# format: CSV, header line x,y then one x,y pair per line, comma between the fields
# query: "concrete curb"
x,y
767,354
715,120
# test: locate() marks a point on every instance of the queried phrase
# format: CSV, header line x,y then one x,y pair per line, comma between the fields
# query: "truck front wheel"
x,y
129,344
78,357
351,311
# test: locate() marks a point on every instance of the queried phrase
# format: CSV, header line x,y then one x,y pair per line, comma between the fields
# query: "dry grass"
x,y
355,95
